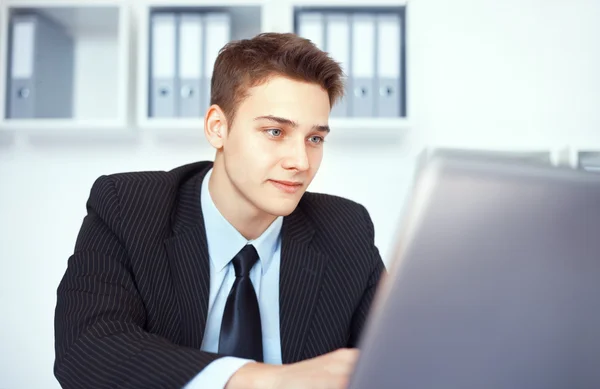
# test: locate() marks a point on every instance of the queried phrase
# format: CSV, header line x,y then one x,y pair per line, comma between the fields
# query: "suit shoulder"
x,y
331,205
343,229
142,190
330,212
156,177
148,179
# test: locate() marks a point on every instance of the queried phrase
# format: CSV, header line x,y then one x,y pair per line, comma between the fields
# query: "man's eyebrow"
x,y
322,128
291,123
280,120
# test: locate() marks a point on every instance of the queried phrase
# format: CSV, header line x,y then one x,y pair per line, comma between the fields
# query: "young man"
x,y
226,274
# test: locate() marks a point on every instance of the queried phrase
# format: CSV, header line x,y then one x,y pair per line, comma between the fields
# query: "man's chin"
x,y
281,207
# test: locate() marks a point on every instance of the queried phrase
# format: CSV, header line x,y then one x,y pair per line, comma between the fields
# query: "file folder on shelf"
x,y
162,65
389,67
589,161
369,44
40,76
338,47
217,34
362,80
311,27
189,76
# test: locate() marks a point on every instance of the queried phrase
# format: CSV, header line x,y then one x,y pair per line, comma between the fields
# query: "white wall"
x,y
506,72
514,73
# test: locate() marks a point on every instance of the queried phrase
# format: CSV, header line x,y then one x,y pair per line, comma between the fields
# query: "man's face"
x,y
274,146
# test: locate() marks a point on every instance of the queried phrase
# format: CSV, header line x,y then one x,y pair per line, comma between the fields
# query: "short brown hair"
x,y
245,63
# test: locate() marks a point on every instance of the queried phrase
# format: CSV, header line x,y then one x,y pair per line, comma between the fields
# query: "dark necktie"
x,y
241,332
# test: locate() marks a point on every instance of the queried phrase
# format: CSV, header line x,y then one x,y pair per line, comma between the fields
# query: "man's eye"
x,y
274,132
316,139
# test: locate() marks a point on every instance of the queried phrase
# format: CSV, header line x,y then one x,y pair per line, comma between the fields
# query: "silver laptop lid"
x,y
495,283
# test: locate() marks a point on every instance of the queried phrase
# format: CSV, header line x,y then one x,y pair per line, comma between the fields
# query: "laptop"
x,y
495,282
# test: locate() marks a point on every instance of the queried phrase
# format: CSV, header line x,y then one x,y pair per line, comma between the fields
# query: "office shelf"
x,y
537,152
65,125
89,80
110,66
268,16
343,130
370,130
584,157
348,3
589,160
350,125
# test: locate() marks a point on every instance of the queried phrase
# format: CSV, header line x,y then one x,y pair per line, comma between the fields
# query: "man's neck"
x,y
249,221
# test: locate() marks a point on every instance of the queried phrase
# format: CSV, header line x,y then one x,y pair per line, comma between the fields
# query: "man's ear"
x,y
215,126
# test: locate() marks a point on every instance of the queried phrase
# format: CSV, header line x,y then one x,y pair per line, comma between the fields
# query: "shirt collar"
x,y
224,241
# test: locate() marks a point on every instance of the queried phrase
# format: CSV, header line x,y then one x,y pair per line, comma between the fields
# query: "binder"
x,y
162,65
388,102
589,161
22,95
189,74
217,34
363,65
338,47
311,27
40,76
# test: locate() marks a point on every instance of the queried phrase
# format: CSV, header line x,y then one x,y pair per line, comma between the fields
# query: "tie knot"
x,y
244,260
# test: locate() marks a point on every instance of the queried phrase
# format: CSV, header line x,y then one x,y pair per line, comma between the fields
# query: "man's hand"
x,y
329,371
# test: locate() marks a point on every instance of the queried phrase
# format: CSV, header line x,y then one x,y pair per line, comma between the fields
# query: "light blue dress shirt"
x,y
224,242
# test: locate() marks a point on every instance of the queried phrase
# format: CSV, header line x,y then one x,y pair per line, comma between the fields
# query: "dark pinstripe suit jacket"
x,y
133,302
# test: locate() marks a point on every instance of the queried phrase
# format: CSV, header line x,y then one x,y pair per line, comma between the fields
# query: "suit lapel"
x,y
189,263
301,271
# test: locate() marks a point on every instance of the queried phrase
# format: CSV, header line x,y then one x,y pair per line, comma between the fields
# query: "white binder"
x,y
217,34
40,76
189,75
362,79
589,161
162,65
21,97
338,47
311,27
389,68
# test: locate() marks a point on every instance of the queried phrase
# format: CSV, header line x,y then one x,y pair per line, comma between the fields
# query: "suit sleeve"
x,y
377,270
100,341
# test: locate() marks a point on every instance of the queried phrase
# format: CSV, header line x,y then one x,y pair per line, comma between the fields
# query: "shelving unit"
x,y
80,86
584,157
270,20
108,79
553,155
589,161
